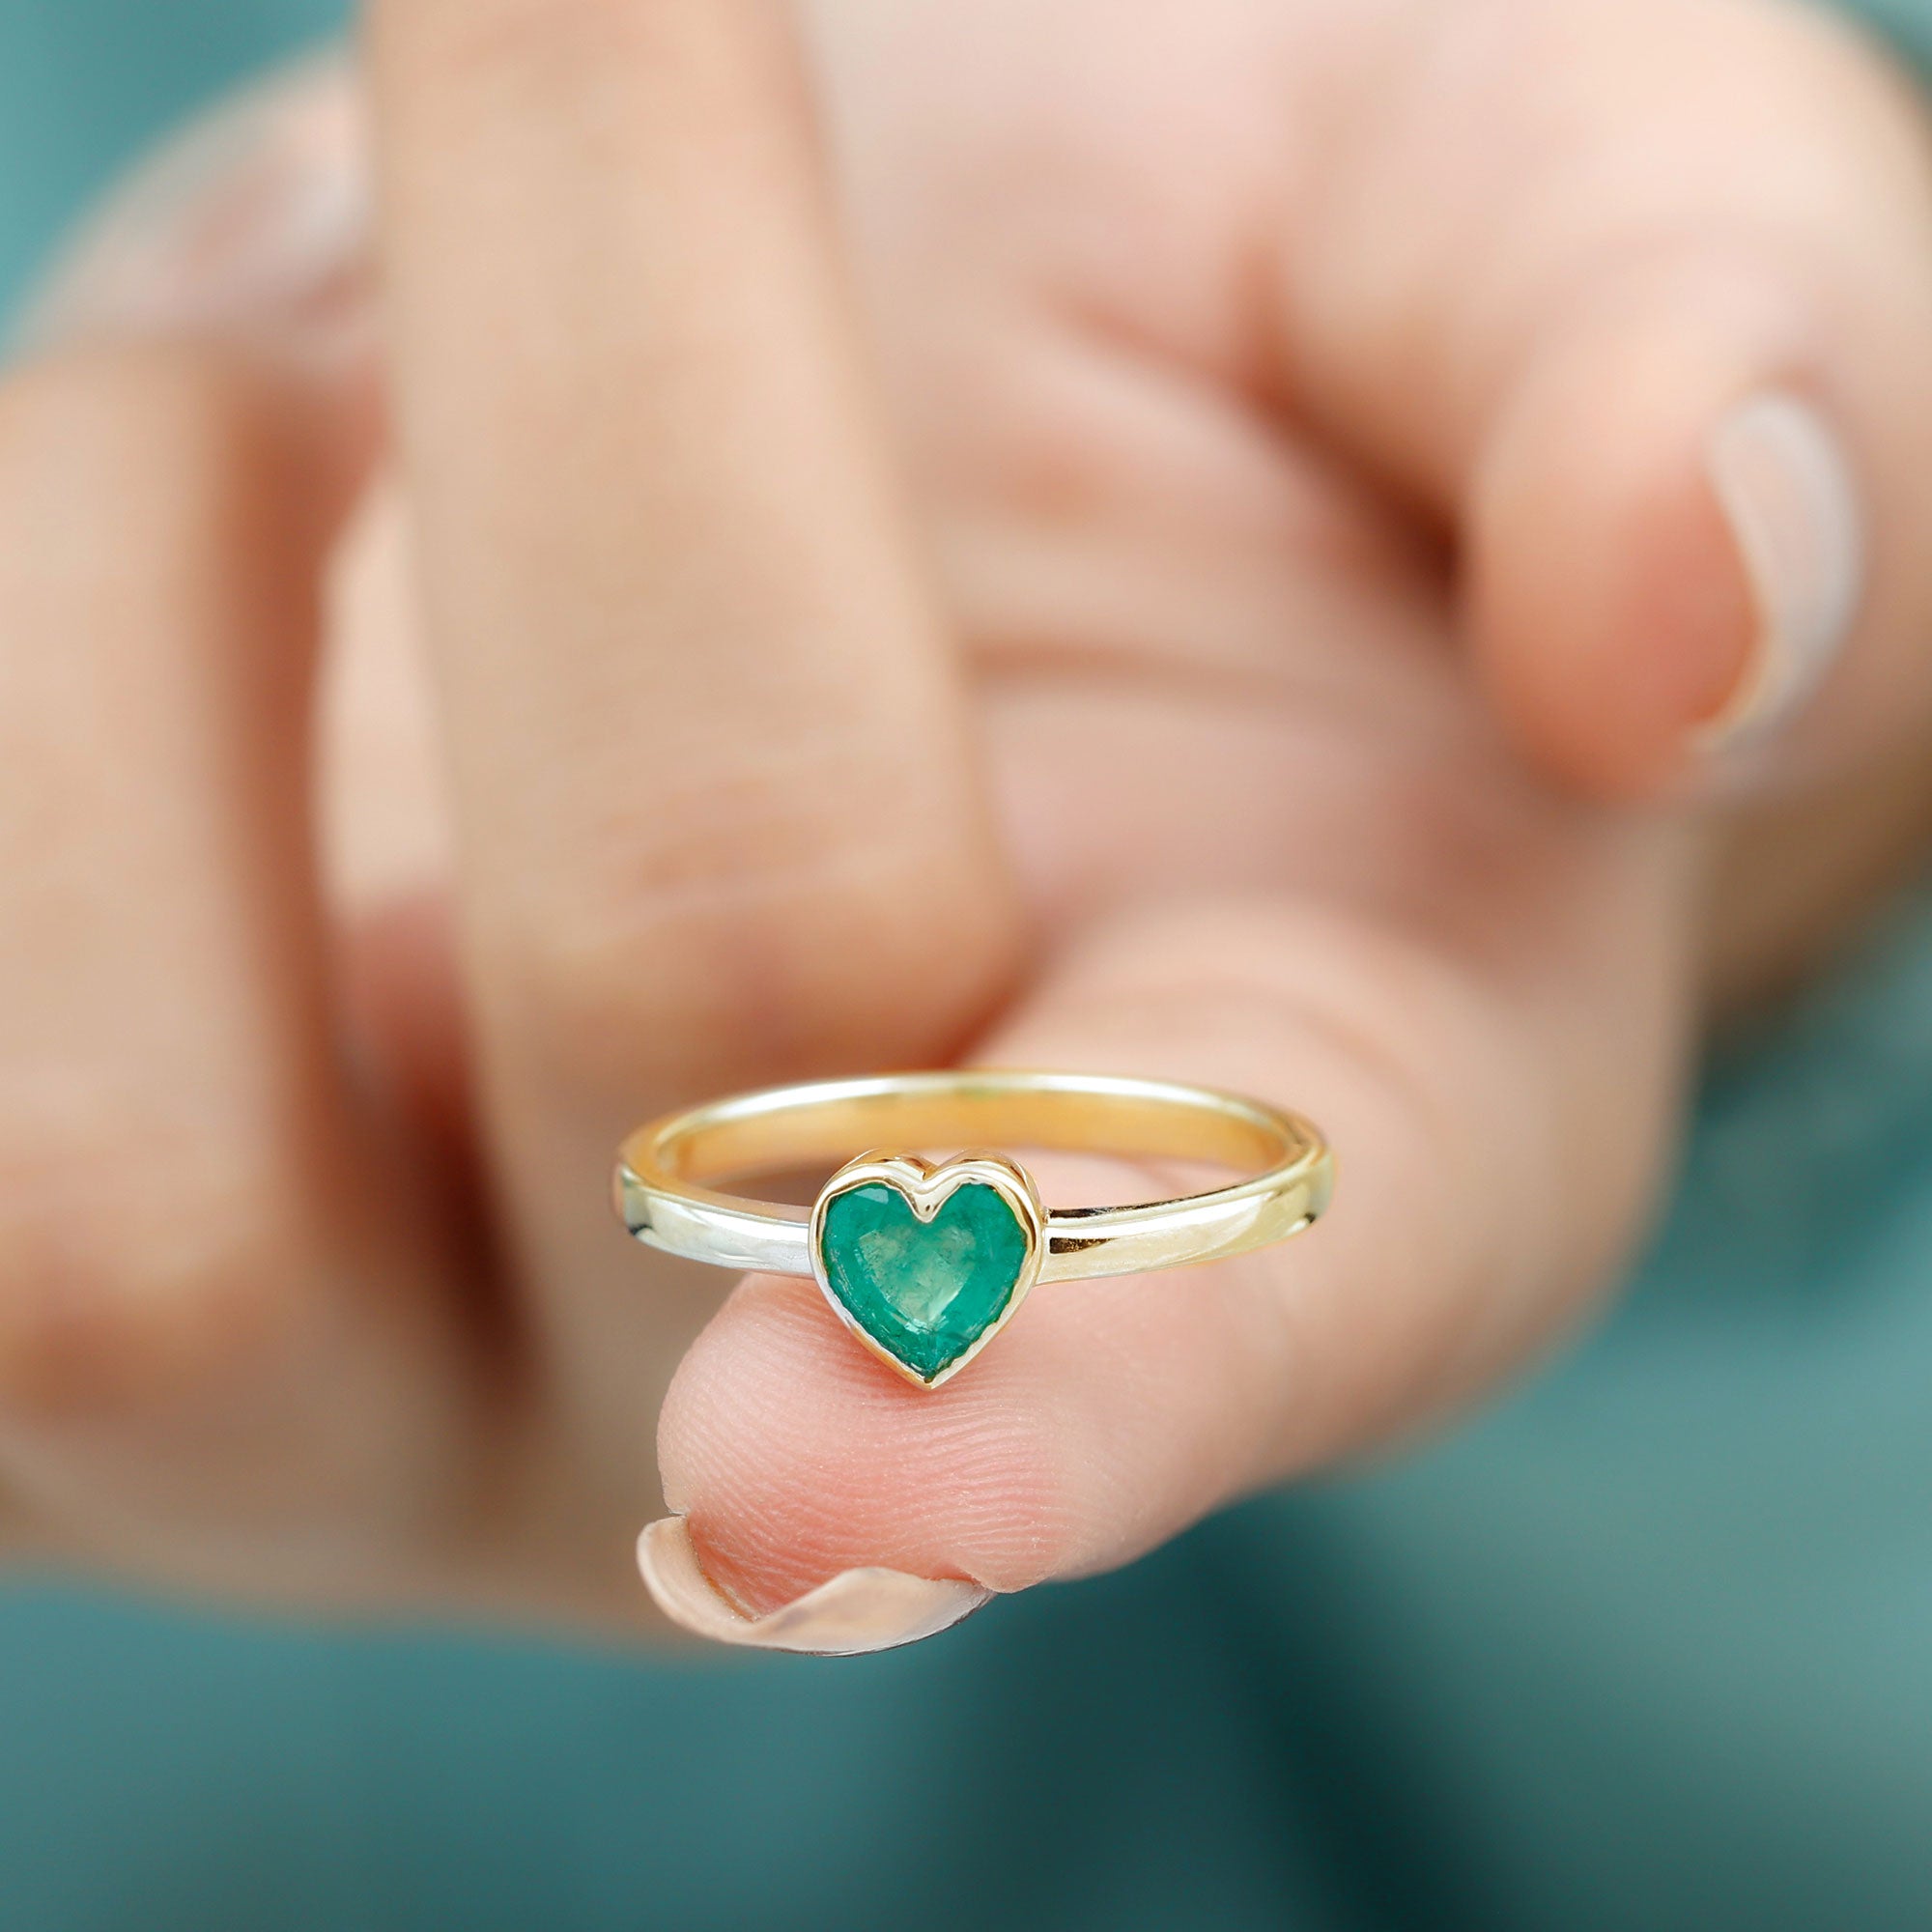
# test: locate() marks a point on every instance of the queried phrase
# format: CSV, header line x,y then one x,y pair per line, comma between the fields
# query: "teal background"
x,y
1648,1647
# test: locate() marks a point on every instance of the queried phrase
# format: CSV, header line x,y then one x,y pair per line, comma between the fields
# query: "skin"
x,y
1232,597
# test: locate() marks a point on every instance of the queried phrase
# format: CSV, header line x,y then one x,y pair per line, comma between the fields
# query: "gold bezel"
x,y
926,1186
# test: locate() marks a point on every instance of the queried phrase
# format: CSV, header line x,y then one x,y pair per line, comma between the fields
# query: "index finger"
x,y
718,810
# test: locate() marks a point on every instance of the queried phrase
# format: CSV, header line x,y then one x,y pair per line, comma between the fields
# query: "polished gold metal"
x,y
664,1168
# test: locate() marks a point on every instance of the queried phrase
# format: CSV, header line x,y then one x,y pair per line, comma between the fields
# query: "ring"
x,y
926,1261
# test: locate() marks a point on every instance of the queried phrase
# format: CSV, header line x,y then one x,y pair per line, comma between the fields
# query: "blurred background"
x,y
1651,1646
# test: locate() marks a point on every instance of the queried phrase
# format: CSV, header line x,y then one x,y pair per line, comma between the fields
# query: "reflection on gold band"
x,y
665,1170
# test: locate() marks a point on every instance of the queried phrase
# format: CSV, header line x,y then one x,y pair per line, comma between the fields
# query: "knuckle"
x,y
701,883
756,919
130,1283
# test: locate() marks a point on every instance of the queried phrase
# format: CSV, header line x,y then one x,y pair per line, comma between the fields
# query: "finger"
x,y
719,810
220,1359
1485,1178
251,225
1639,295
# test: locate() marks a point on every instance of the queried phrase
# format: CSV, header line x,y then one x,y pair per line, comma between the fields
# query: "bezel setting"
x,y
925,1186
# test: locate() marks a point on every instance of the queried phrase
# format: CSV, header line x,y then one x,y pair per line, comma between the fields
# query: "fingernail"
x,y
853,1613
1787,490
255,220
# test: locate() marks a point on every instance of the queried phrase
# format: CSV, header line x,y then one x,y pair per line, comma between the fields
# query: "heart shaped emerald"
x,y
924,1289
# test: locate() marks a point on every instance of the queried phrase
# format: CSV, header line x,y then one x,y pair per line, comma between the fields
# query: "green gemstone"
x,y
925,1291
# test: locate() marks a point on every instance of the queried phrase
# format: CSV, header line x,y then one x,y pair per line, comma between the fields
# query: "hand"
x,y
1376,479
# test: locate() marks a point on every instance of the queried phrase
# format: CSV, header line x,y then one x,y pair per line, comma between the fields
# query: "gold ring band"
x,y
924,1261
